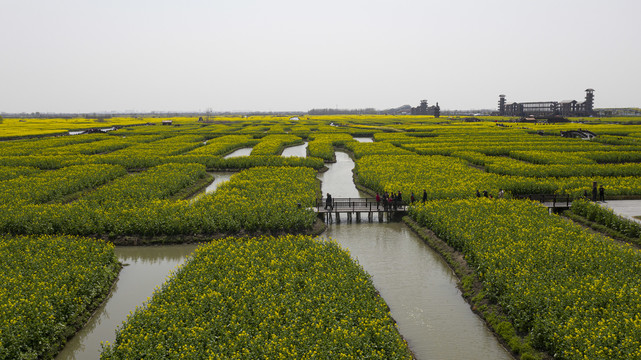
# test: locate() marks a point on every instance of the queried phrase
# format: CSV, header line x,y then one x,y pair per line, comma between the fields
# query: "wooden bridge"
x,y
551,201
358,208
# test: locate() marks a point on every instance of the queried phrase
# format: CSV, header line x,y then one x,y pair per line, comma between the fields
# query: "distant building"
x,y
423,109
549,108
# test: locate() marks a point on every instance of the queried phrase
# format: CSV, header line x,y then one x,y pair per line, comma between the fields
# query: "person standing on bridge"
x,y
412,199
378,200
328,202
601,193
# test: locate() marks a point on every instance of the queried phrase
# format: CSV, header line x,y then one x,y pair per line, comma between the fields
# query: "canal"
x,y
418,286
296,150
145,268
416,283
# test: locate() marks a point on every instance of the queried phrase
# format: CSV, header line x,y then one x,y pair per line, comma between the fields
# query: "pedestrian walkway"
x,y
625,208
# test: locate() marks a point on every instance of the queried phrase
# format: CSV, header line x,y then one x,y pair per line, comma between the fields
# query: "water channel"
x,y
296,150
239,152
364,139
145,268
219,178
416,283
418,286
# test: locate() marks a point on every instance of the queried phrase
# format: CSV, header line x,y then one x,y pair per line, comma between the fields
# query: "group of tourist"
x,y
500,194
389,200
600,191
393,201
597,192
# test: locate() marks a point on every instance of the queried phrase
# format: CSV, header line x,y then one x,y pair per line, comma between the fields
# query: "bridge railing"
x,y
561,200
358,204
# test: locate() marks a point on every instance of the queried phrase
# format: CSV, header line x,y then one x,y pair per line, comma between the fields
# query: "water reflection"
x,y
338,180
296,150
219,178
417,285
364,139
420,290
239,152
146,268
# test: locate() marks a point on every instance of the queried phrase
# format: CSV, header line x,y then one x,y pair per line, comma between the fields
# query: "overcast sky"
x,y
230,55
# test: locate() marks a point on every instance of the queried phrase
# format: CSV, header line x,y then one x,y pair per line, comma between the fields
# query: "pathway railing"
x,y
556,200
359,204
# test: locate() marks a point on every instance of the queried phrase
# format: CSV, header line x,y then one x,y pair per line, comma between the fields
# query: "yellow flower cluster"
x,y
550,157
442,177
375,148
445,177
322,145
47,285
224,144
274,144
262,199
290,297
576,293
51,185
258,199
10,172
40,146
509,166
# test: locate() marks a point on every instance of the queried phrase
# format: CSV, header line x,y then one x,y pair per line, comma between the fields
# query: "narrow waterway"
x,y
296,150
364,139
338,180
416,283
418,286
239,152
219,178
146,267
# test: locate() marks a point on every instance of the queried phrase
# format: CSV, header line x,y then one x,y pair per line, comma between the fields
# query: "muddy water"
x,y
296,150
147,268
239,152
418,286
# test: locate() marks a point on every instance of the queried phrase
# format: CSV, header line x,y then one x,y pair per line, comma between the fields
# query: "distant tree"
x,y
1,119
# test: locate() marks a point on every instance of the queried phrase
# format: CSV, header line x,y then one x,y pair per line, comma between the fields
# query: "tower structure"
x,y
589,101
502,105
424,109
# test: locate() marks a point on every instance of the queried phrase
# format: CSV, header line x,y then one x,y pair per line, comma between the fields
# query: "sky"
x,y
296,55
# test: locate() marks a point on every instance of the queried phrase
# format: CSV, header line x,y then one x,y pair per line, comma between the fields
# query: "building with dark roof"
x,y
549,108
423,109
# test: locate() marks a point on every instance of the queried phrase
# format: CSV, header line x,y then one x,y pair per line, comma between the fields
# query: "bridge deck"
x,y
360,205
